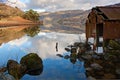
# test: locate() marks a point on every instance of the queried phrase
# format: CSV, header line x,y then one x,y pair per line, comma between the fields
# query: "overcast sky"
x,y
56,5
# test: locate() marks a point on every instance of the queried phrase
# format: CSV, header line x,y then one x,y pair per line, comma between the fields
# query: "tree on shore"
x,y
31,15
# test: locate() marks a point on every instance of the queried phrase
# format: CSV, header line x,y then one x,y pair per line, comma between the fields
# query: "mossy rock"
x,y
114,45
15,69
33,63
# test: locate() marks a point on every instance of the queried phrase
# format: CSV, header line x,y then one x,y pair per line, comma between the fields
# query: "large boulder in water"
x,y
33,63
15,69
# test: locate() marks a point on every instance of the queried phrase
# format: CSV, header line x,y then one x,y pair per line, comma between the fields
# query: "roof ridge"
x,y
107,6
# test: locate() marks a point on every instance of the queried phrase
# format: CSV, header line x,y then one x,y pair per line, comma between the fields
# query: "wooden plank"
x,y
111,29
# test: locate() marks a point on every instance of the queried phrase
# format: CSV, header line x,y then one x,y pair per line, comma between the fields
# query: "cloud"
x,y
16,3
44,44
56,5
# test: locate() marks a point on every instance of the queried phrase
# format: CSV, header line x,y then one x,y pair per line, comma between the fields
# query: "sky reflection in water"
x,y
55,68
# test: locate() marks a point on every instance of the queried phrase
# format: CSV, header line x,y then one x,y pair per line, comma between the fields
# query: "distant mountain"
x,y
68,19
60,14
78,20
115,5
73,18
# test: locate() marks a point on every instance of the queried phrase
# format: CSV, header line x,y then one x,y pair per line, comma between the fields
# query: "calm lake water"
x,y
16,42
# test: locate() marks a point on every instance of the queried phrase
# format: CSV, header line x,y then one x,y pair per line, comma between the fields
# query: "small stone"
x,y
91,78
88,69
87,57
59,55
96,56
6,77
96,66
9,77
118,71
67,49
109,76
66,56
4,69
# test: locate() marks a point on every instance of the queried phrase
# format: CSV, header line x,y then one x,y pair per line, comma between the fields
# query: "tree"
x,y
31,15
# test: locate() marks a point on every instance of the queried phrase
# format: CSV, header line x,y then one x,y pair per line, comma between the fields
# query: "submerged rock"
x,y
33,63
66,56
6,77
15,69
3,69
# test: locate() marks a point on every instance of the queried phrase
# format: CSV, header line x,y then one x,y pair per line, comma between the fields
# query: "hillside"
x,y
13,16
78,20
6,11
59,15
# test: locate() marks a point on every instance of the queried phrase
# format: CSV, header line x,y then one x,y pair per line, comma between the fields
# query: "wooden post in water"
x,y
56,46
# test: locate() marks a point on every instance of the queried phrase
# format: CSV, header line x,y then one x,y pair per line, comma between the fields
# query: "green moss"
x,y
33,63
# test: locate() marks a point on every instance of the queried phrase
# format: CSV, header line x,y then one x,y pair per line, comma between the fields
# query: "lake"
x,y
16,42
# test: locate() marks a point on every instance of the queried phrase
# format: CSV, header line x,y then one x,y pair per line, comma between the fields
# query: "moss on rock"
x,y
33,63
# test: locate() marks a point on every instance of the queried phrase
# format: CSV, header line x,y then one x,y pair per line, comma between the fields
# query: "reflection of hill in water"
x,y
55,27
11,33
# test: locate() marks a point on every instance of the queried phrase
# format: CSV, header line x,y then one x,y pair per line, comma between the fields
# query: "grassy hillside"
x,y
10,16
7,11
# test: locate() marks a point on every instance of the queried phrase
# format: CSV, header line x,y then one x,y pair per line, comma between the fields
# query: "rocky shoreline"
x,y
98,66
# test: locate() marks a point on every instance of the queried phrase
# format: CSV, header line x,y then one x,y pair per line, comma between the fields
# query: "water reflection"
x,y
45,45
10,33
32,31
